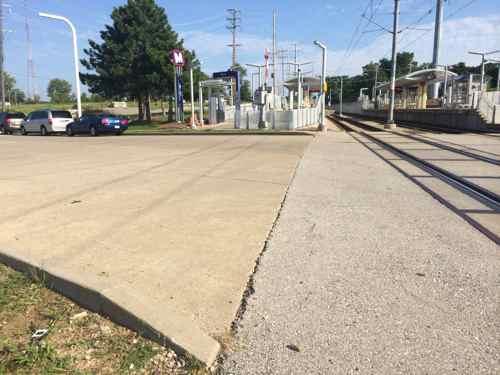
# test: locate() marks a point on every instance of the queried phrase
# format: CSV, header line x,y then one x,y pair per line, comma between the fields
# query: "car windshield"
x,y
61,114
16,115
101,115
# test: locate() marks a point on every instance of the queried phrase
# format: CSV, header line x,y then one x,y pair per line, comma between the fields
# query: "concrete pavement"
x,y
366,273
159,233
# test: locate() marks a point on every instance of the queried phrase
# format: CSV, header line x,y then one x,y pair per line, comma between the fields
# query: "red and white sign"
x,y
177,58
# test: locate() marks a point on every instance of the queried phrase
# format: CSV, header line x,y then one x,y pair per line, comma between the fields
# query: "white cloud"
x,y
459,36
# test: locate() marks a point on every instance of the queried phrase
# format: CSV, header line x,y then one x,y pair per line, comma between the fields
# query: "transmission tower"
x,y
30,78
234,23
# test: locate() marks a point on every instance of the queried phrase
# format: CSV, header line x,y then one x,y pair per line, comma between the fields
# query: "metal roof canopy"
x,y
421,76
311,83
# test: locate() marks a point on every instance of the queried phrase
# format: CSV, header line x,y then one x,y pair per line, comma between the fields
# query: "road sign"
x,y
177,57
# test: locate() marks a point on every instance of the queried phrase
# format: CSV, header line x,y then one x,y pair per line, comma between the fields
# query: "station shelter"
x,y
412,89
304,92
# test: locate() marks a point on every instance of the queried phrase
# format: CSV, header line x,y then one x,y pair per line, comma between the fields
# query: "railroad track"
x,y
481,193
448,146
437,129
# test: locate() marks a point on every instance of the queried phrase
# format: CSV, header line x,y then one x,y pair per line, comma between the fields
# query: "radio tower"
x,y
30,78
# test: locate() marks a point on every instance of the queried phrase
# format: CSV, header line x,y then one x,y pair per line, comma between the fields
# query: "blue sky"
x,y
468,25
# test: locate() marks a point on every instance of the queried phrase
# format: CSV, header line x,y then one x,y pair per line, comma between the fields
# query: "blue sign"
x,y
180,93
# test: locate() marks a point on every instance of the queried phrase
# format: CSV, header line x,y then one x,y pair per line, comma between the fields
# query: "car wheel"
x,y
69,131
23,131
119,133
93,131
43,131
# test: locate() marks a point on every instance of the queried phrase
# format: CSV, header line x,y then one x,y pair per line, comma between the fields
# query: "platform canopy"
x,y
427,76
310,83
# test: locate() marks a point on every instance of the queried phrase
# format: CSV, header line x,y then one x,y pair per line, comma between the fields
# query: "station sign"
x,y
233,74
177,58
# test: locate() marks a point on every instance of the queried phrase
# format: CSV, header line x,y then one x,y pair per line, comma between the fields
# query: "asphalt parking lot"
x,y
168,228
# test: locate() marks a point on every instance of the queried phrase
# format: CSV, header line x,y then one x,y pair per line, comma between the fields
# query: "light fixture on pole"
x,y
75,56
259,67
322,124
483,61
495,61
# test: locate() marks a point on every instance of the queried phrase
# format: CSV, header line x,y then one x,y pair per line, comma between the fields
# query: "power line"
x,y
445,19
373,13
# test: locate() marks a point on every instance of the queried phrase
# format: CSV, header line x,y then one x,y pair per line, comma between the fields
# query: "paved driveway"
x,y
166,229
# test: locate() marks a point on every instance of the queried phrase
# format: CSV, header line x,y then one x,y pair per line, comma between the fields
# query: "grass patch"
x,y
17,292
138,357
78,341
32,358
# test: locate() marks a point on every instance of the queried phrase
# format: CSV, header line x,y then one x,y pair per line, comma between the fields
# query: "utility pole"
x,y
234,20
483,62
437,43
374,93
390,118
2,73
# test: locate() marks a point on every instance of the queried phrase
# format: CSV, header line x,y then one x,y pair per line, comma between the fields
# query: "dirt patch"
x,y
73,340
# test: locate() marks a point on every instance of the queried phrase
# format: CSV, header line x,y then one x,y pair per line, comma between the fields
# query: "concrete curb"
x,y
300,133
161,325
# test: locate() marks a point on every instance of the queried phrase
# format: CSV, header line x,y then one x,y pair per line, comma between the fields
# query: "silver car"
x,y
45,122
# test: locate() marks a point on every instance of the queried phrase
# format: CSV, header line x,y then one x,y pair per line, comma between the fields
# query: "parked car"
x,y
95,124
11,121
46,121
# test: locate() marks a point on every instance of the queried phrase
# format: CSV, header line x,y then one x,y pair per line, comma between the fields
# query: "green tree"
x,y
17,96
133,59
59,91
10,82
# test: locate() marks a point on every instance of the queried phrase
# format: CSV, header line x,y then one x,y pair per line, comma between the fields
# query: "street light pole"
x,y
483,61
299,80
193,124
374,94
341,94
75,56
495,61
322,124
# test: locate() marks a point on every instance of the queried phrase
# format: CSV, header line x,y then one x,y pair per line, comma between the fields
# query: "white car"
x,y
46,121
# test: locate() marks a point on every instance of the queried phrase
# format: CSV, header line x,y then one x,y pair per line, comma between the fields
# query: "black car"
x,y
11,121
100,123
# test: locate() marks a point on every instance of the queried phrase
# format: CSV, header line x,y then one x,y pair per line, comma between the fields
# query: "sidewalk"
x,y
365,273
